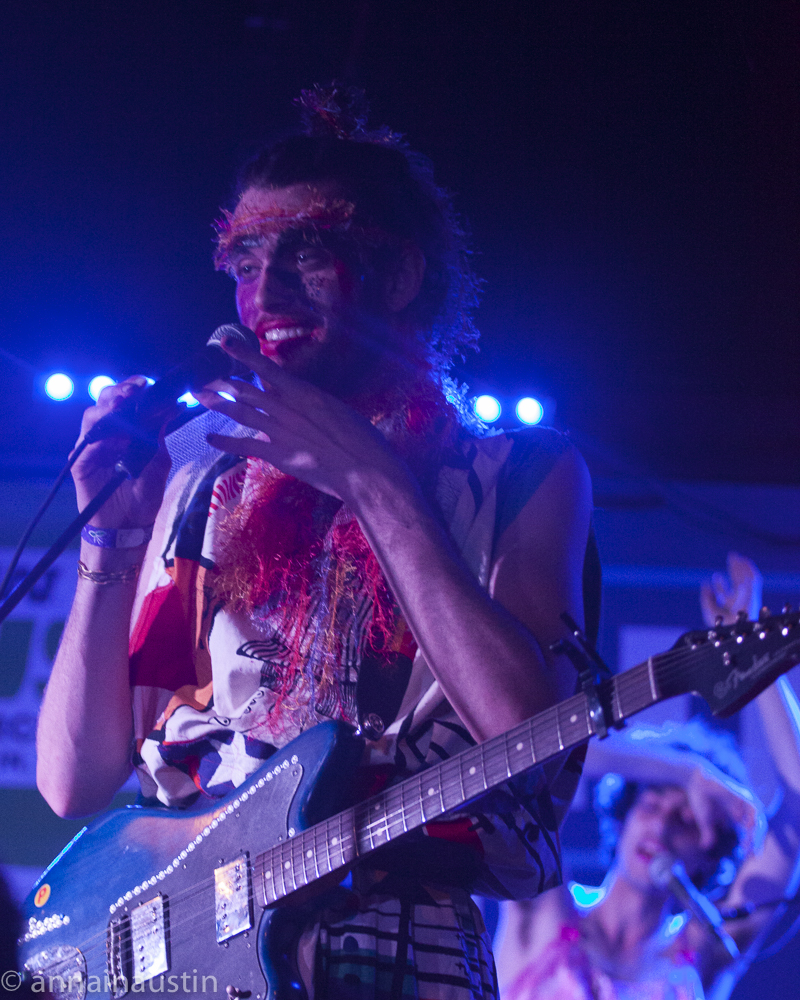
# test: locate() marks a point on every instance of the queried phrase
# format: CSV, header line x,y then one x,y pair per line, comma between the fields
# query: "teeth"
x,y
284,333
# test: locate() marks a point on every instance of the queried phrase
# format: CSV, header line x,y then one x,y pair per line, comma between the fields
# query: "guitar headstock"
x,y
729,665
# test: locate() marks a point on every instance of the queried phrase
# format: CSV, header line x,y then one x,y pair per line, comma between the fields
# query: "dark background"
x,y
628,169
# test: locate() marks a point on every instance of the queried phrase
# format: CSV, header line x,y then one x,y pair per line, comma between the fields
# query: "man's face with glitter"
x,y
300,281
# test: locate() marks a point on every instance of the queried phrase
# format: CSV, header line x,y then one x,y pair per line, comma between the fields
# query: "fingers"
x,y
243,447
708,604
266,369
247,407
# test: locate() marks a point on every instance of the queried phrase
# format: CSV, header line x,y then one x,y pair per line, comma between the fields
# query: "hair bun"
x,y
340,111
336,111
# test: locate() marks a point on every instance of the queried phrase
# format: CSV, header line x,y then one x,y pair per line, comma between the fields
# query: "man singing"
x,y
332,541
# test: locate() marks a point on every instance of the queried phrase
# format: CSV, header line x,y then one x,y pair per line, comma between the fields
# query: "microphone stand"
x,y
140,451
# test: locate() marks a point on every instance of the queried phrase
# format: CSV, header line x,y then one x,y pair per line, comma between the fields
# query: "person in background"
x,y
682,796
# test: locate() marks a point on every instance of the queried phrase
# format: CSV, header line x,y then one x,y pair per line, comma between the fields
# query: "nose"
x,y
277,286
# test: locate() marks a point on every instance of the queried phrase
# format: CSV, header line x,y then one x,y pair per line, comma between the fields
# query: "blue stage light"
x,y
98,383
227,395
529,410
59,386
189,399
487,408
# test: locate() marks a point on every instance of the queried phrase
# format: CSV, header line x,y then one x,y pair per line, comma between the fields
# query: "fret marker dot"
x,y
472,770
573,718
334,840
309,854
519,746
431,791
267,874
287,864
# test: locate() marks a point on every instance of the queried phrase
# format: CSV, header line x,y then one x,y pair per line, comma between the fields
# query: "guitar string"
x,y
624,679
667,663
389,817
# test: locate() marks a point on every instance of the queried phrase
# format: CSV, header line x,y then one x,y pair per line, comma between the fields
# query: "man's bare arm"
x,y
492,663
85,728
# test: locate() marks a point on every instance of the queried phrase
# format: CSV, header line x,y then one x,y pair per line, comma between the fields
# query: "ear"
x,y
404,281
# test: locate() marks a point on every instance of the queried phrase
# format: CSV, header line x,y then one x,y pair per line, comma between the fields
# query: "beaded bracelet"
x,y
127,575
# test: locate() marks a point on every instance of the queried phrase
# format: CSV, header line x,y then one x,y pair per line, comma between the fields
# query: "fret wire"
x,y
281,870
328,846
451,783
421,802
387,806
398,811
294,852
291,862
265,888
403,808
316,853
308,863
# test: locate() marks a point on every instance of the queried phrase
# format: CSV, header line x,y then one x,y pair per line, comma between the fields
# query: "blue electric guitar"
x,y
152,901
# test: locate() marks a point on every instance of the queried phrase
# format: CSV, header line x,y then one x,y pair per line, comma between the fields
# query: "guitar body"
x,y
151,901
154,901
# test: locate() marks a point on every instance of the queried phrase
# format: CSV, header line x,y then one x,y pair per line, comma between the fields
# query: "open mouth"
x,y
280,333
648,851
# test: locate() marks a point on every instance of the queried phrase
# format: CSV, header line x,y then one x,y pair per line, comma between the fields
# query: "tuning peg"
x,y
787,609
763,614
718,621
741,617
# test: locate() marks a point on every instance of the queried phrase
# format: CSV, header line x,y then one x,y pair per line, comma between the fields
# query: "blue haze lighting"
x,y
487,408
529,410
59,386
189,399
587,895
98,383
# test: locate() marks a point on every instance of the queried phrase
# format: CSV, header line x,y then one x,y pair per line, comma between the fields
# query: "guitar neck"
x,y
336,843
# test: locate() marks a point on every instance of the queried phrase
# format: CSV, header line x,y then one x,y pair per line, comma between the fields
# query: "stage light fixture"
x,y
529,410
59,386
487,408
98,383
189,399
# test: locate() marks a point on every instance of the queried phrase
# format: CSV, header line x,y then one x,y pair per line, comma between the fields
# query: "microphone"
x,y
669,874
143,416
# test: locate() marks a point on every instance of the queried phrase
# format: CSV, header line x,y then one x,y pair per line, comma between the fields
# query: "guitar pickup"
x,y
149,942
232,898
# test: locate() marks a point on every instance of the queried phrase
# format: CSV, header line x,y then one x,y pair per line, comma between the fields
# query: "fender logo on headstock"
x,y
761,664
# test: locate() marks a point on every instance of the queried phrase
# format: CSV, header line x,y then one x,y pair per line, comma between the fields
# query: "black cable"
x,y
38,516
63,540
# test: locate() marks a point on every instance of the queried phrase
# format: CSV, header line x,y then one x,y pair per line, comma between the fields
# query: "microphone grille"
x,y
661,870
237,332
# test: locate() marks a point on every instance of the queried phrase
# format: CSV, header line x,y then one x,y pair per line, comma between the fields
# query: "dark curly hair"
x,y
393,189
614,797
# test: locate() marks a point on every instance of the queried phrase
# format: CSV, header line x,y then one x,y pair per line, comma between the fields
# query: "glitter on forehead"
x,y
243,227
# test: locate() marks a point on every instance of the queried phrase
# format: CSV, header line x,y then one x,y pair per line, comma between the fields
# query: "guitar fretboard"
x,y
336,843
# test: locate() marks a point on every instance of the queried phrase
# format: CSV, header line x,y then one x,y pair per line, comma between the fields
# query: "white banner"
x,y
28,642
